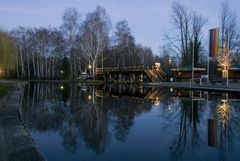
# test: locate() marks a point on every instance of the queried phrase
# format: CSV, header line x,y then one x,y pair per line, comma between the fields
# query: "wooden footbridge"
x,y
135,74
153,95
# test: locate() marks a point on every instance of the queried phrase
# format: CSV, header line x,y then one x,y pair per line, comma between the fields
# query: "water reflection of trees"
x,y
225,110
82,118
188,138
126,112
191,133
78,116
226,122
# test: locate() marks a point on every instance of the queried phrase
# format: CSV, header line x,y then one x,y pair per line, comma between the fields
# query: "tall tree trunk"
x,y
46,68
38,66
71,67
22,64
28,64
17,66
93,68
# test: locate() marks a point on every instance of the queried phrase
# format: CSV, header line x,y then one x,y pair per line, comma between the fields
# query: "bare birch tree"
x,y
196,39
181,19
124,44
71,28
229,30
188,26
95,36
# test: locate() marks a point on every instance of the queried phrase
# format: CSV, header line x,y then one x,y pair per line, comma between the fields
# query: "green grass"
x,y
4,89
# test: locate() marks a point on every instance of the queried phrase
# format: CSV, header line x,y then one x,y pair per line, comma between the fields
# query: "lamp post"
x,y
62,73
170,65
192,64
90,68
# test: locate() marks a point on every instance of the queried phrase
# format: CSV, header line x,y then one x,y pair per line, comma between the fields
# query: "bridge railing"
x,y
155,73
123,69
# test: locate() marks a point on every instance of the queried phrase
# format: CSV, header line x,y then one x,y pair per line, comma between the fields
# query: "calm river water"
x,y
72,122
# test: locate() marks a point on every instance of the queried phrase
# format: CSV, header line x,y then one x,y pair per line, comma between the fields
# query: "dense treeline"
x,y
76,46
40,51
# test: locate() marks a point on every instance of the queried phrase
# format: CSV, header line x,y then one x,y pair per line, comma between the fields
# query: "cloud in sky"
x,y
148,19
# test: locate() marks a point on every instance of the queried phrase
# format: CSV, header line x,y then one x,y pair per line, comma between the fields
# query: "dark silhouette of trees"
x,y
68,50
71,29
229,30
189,38
94,37
79,117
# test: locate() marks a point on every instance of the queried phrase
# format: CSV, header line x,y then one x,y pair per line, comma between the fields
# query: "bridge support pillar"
x,y
141,89
141,78
119,89
110,78
136,74
115,80
105,78
132,78
110,87
119,78
124,79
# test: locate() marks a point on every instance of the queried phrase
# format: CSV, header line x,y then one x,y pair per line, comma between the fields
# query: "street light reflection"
x,y
62,87
157,101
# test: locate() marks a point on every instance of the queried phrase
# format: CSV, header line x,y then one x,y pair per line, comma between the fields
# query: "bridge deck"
x,y
154,73
154,95
123,69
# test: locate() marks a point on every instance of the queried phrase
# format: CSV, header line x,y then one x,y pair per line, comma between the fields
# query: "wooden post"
x,y
119,78
110,78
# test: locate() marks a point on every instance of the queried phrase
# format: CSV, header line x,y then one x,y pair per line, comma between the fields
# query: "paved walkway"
x,y
16,142
232,87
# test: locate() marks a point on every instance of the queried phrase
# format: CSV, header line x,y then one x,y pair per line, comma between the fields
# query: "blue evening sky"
x,y
148,19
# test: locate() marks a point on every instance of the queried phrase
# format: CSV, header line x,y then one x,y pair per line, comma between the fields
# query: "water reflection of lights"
x,y
169,106
157,101
224,112
62,87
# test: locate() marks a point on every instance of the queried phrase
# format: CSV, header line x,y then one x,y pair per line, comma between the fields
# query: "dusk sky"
x,y
148,19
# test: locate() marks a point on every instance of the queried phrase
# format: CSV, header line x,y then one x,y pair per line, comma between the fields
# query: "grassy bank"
x,y
4,89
